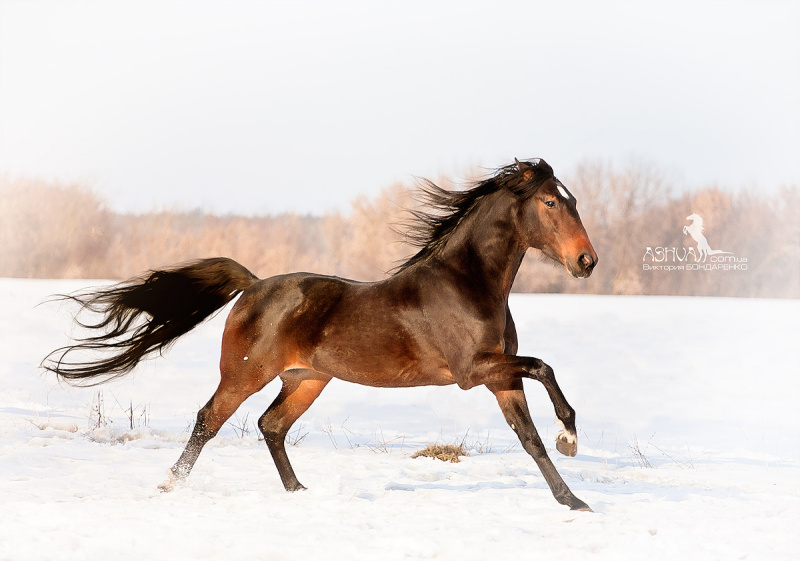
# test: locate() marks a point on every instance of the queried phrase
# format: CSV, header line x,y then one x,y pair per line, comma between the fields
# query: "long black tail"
x,y
171,302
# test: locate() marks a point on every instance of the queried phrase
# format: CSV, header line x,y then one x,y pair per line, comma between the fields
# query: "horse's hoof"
x,y
295,488
567,443
582,506
573,502
171,483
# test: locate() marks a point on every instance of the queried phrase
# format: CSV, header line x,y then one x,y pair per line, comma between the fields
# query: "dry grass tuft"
x,y
444,452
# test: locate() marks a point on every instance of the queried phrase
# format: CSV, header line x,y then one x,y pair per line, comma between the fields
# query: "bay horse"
x,y
441,318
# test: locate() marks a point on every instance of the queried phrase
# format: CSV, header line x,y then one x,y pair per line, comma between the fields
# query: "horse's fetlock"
x,y
180,471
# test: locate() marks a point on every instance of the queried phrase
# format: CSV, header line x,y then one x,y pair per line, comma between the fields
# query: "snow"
x,y
704,389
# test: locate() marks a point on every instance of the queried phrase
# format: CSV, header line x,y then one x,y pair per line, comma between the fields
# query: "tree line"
x,y
632,215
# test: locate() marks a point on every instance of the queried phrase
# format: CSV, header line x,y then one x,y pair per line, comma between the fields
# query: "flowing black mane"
x,y
430,229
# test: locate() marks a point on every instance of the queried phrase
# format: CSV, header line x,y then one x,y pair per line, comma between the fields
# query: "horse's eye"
x,y
550,204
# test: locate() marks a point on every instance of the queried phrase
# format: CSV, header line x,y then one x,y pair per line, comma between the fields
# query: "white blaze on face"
x,y
563,192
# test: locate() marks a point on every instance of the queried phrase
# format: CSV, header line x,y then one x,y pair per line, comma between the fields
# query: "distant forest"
x,y
57,230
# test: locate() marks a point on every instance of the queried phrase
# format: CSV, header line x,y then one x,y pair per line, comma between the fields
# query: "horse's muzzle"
x,y
584,265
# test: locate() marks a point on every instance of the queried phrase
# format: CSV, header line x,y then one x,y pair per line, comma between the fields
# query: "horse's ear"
x,y
526,169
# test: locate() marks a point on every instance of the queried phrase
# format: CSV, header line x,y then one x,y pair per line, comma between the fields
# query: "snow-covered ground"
x,y
689,447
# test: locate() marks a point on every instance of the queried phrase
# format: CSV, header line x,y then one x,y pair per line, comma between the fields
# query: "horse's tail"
x,y
171,302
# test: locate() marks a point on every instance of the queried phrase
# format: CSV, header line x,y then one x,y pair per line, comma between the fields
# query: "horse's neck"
x,y
485,244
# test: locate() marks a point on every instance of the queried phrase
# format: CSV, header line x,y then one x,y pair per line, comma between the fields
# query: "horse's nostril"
x,y
586,260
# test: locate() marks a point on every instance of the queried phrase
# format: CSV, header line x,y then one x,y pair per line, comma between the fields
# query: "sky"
x,y
267,107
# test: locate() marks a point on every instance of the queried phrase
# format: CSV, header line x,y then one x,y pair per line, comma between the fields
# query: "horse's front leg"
x,y
511,398
567,438
491,368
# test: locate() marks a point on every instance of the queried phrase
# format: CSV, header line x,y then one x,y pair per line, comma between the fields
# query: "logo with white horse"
x,y
688,258
695,229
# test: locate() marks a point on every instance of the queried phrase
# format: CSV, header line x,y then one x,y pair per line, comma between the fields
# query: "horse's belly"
x,y
383,370
441,377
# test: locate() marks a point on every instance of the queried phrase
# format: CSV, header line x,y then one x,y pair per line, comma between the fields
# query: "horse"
x,y
440,318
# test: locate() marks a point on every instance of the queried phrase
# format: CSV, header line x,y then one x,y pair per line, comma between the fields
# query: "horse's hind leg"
x,y
300,389
511,398
224,403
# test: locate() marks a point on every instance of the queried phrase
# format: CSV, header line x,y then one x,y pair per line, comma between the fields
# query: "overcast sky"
x,y
263,107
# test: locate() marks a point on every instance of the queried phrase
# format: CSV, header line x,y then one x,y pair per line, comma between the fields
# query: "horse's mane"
x,y
431,228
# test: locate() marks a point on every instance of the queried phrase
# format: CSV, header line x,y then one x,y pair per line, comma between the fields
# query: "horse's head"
x,y
550,223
